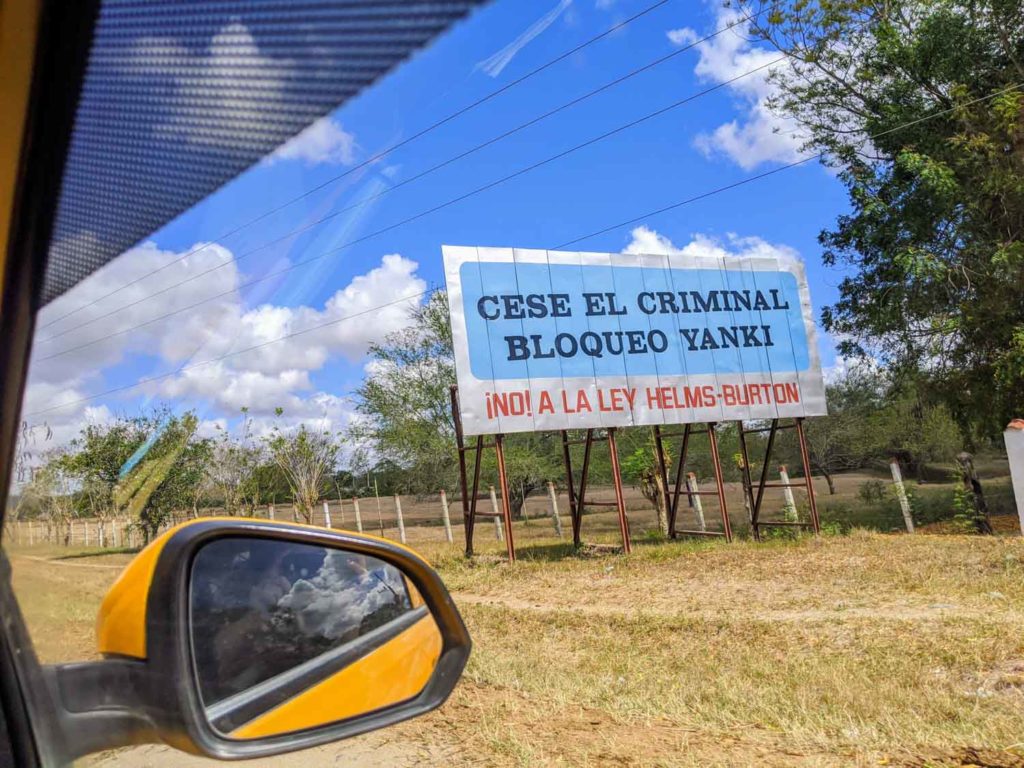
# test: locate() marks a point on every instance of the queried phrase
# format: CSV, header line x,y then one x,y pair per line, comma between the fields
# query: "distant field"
x,y
864,649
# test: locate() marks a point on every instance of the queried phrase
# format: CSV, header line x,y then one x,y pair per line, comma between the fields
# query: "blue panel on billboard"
x,y
539,320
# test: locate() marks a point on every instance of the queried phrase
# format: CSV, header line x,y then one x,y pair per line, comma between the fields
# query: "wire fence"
x,y
437,517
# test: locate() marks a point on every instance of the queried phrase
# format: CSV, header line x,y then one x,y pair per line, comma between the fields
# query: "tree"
x,y
405,400
51,493
162,472
237,471
178,491
95,458
405,404
307,458
849,437
914,104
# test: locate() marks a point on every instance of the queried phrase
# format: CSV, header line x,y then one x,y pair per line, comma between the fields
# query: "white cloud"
x,y
275,375
324,332
494,64
98,341
646,240
323,142
759,135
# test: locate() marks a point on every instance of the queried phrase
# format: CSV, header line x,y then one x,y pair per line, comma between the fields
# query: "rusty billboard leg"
x,y
719,481
748,487
470,496
806,459
577,522
620,501
506,507
659,451
467,519
693,495
756,502
571,488
764,468
471,519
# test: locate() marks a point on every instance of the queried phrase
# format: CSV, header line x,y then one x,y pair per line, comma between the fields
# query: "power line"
x,y
772,172
422,174
395,225
583,237
383,153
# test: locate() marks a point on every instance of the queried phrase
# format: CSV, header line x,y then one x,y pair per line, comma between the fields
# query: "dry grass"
x,y
857,650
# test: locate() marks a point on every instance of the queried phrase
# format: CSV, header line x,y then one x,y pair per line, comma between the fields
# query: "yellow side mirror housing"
x,y
240,638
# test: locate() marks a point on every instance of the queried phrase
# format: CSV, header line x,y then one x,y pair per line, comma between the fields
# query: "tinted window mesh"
x,y
181,96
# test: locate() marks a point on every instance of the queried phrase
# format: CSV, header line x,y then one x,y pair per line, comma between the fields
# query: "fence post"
x,y
359,519
32,533
327,515
1014,439
270,511
85,526
901,494
445,518
497,520
790,513
401,522
295,513
553,497
698,505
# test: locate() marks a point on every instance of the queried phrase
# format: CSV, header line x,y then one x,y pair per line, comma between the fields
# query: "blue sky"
x,y
712,141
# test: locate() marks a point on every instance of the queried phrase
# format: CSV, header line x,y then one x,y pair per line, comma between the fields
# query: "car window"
x,y
739,215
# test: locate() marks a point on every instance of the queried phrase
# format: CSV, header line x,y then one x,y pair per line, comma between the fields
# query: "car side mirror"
x,y
246,638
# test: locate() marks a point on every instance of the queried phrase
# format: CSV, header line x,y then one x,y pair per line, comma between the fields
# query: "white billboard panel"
x,y
550,340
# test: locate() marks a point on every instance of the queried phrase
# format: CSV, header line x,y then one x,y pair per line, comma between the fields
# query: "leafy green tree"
x,y
171,462
178,490
405,404
94,459
915,104
915,431
853,434
405,401
642,469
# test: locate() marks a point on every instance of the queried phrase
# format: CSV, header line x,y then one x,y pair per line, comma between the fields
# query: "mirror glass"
x,y
289,636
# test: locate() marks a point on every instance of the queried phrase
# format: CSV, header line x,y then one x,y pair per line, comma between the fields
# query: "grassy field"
x,y
865,649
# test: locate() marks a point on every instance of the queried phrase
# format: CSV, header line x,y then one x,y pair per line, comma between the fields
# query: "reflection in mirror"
x,y
288,636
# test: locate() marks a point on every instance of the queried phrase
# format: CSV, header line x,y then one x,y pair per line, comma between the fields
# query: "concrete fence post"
x,y
698,505
1014,438
790,512
85,528
398,515
555,518
446,518
270,511
901,494
497,520
327,515
359,519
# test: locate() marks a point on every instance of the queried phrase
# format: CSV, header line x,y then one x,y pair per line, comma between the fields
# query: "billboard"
x,y
551,340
